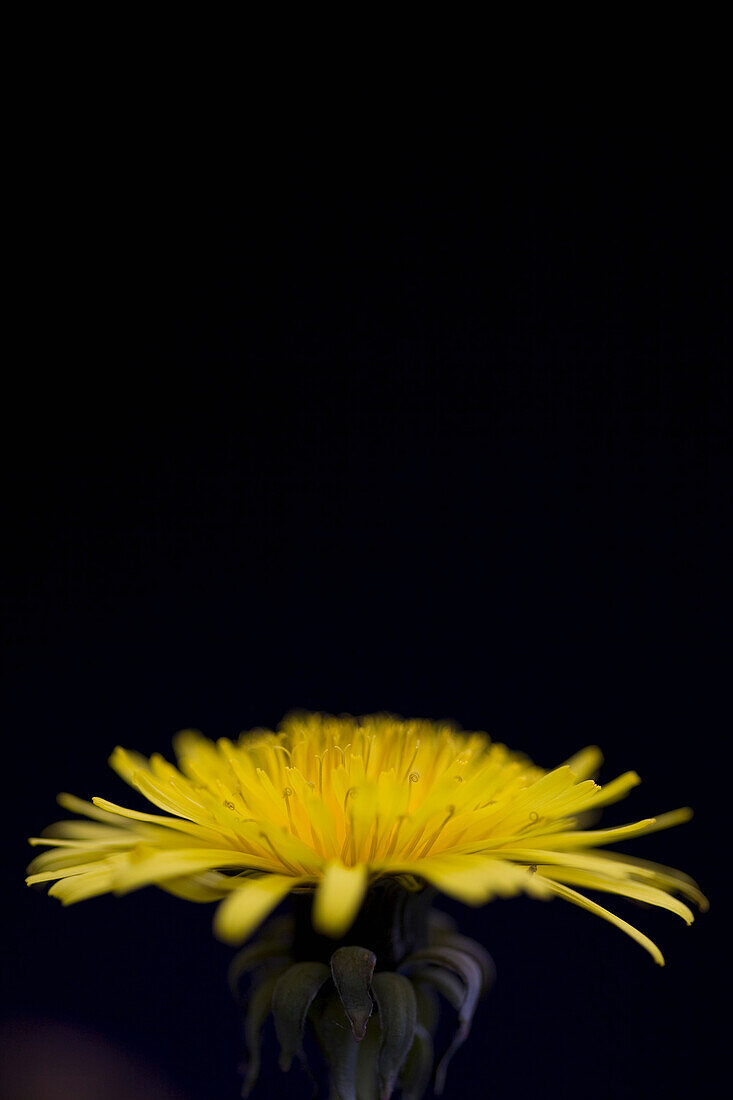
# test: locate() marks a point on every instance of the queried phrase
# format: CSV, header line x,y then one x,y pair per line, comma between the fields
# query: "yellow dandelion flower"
x,y
331,804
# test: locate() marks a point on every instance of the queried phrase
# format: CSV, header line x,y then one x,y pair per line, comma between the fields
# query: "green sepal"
x,y
439,922
450,985
397,1009
292,996
341,1049
418,1067
469,971
428,1006
258,1009
442,937
273,945
367,1063
352,969
255,955
462,964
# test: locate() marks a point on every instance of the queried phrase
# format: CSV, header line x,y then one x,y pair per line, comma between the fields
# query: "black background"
x,y
306,414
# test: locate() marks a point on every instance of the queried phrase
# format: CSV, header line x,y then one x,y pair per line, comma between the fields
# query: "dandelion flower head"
x,y
331,804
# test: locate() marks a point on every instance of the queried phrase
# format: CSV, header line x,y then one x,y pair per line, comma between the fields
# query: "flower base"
x,y
369,1000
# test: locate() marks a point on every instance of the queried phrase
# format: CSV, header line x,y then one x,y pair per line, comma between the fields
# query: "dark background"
x,y
309,415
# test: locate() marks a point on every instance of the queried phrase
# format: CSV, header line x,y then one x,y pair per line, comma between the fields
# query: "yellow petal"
x,y
148,865
210,886
174,823
589,838
666,877
585,764
93,879
592,907
247,906
475,880
76,864
79,806
127,763
87,830
615,790
58,858
639,891
339,897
